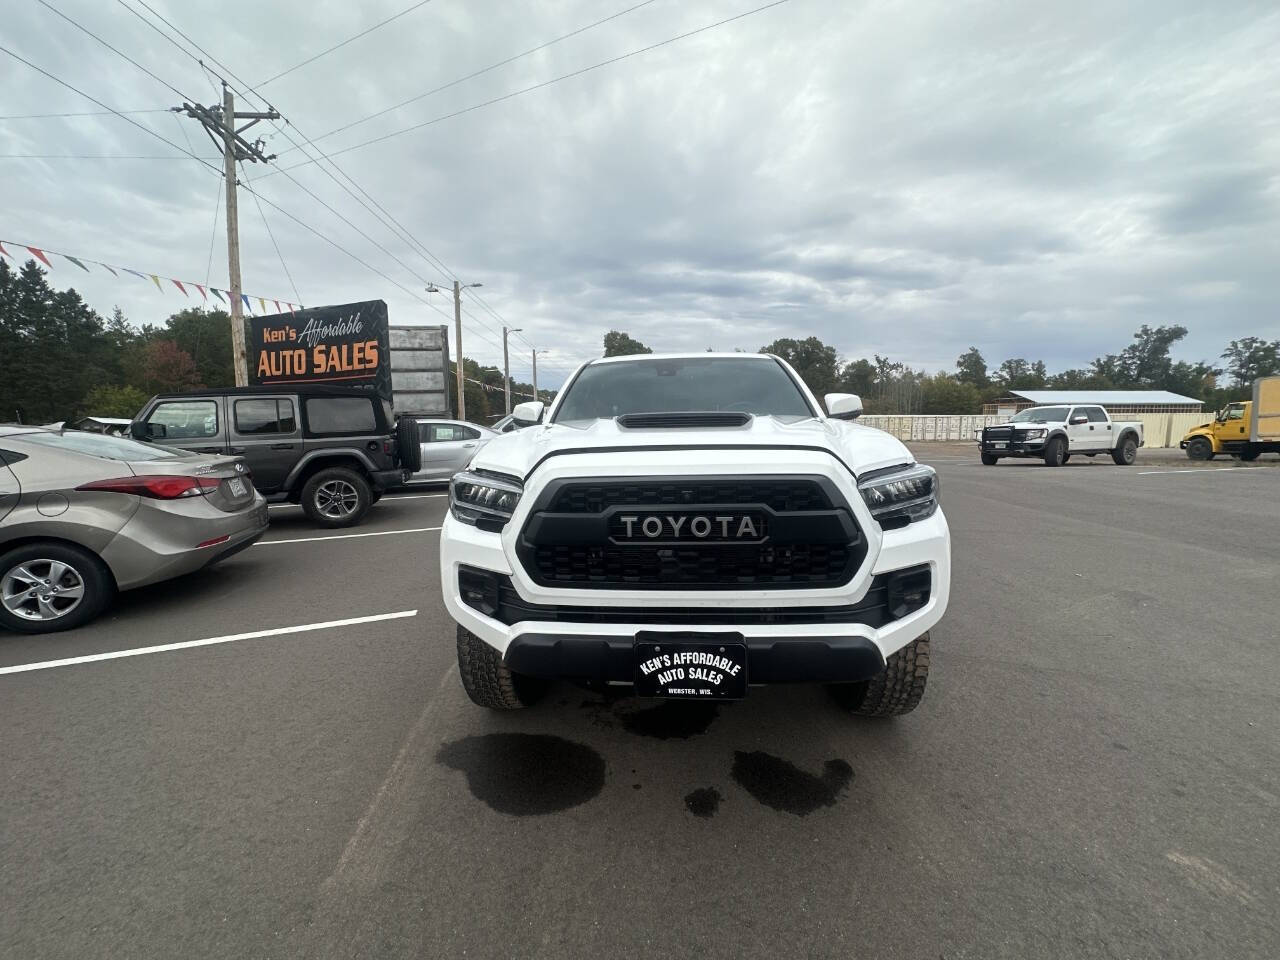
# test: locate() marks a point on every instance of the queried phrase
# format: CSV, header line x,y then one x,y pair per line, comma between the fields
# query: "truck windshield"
x,y
1041,415
747,384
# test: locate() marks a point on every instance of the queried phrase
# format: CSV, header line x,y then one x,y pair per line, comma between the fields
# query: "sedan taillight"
x,y
157,487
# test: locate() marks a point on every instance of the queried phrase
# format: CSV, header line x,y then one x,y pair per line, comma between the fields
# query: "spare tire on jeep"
x,y
407,446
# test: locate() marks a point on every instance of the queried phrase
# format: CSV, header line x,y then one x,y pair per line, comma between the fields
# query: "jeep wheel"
x,y
46,587
1199,448
895,691
488,681
336,497
990,459
1055,452
1126,453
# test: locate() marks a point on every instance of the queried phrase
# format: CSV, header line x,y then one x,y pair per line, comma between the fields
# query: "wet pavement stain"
x,y
671,720
703,802
780,784
526,774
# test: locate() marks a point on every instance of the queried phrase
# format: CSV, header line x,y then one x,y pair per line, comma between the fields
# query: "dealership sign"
x,y
345,344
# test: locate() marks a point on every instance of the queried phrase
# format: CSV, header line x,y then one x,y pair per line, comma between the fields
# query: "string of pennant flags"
x,y
224,296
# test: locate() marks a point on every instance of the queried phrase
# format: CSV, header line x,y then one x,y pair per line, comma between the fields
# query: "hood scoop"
x,y
692,419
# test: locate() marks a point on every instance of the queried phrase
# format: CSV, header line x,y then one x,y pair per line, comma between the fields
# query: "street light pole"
x,y
506,364
458,287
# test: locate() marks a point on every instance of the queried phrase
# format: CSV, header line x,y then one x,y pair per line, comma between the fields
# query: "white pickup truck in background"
x,y
1057,433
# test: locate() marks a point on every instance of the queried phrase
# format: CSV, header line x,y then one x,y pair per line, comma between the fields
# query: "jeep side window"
x,y
341,415
184,420
267,415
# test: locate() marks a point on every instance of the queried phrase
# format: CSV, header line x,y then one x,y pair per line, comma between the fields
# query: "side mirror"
x,y
147,431
843,406
1079,419
527,413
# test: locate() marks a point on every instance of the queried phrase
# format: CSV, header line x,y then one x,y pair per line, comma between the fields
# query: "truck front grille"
x,y
805,534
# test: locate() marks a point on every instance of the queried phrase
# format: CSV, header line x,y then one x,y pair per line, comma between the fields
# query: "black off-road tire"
x,y
99,586
1199,448
329,478
1125,454
990,459
491,683
1055,452
896,691
408,448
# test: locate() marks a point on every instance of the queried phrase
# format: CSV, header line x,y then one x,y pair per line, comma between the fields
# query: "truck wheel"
x,y
1199,448
895,691
46,587
1250,454
336,497
990,459
488,681
1126,453
1055,452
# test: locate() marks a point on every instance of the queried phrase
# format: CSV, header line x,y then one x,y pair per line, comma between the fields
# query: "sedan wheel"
x,y
41,589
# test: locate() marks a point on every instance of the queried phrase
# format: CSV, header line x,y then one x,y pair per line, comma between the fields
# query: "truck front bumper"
x,y
789,639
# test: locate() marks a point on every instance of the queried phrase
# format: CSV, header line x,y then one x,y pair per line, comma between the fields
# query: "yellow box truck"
x,y
1246,430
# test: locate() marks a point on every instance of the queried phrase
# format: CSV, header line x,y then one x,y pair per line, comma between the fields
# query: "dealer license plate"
x,y
236,486
691,666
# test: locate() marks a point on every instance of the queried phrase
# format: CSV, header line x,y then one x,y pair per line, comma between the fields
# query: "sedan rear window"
x,y
101,445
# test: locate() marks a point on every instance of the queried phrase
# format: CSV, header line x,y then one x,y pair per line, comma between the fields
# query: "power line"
x,y
336,46
87,96
86,30
213,234
257,200
92,156
471,76
90,113
538,86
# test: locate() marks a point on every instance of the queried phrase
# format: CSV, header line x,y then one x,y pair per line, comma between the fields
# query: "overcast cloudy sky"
x,y
902,178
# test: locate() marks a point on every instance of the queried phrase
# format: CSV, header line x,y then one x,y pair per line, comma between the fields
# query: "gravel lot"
x,y
1094,772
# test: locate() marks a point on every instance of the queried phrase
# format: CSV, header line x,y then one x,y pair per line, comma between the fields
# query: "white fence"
x,y
1159,429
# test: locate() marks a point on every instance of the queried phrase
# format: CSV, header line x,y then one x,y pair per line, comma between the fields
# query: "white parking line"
x,y
208,641
347,536
407,496
1151,473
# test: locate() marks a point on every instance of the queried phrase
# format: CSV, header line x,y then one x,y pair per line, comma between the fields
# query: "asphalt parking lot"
x,y
1094,771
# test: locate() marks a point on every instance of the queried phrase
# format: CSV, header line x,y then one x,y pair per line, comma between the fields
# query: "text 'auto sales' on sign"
x,y
346,344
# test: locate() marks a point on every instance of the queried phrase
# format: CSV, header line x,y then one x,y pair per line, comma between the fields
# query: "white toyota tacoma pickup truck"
x,y
691,525
1056,433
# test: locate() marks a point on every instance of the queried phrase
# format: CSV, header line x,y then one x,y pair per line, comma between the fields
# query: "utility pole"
x,y
506,365
534,353
457,327
220,124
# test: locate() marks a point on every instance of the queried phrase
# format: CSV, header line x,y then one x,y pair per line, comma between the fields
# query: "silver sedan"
x,y
447,447
83,515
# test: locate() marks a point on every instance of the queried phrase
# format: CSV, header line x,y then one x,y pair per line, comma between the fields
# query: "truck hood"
x,y
860,448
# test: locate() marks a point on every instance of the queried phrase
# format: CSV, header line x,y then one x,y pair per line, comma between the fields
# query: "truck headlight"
x,y
484,500
900,495
1032,434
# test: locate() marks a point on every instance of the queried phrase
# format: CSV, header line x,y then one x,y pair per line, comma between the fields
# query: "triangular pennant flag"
x,y
40,253
76,262
5,252
291,307
140,276
107,266
245,298
202,293
216,293
262,305
178,284
277,303
156,281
